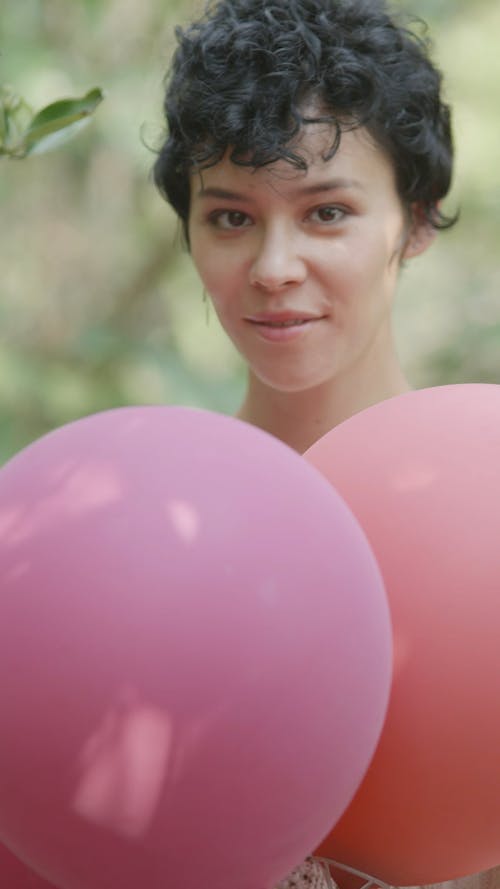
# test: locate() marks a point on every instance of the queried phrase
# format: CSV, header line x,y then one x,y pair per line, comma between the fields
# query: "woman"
x,y
308,153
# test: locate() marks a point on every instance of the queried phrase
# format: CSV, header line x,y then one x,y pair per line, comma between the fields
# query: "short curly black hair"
x,y
245,74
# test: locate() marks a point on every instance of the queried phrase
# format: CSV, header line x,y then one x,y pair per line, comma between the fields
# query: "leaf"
x,y
60,121
15,118
56,138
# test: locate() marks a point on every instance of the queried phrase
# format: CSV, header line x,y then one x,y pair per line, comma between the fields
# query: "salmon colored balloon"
x,y
15,875
421,472
196,650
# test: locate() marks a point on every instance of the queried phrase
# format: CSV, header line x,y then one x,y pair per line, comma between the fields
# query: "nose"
x,y
277,263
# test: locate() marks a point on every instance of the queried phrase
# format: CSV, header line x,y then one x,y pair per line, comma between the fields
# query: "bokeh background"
x,y
99,305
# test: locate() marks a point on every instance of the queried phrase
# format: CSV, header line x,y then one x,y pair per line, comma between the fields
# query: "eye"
x,y
327,215
229,219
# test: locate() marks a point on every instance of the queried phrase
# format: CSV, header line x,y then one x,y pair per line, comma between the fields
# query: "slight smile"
x,y
283,326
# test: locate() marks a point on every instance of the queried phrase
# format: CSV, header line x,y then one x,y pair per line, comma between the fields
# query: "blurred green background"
x,y
99,305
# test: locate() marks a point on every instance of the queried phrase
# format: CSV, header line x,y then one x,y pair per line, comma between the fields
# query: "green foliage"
x,y
22,132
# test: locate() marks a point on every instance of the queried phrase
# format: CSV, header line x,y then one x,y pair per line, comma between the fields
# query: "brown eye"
x,y
236,220
230,219
328,214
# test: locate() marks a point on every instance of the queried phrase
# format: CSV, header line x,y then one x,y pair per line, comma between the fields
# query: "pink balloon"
x,y
15,875
422,474
198,651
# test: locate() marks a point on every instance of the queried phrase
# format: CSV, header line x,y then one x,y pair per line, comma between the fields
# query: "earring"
x,y
206,303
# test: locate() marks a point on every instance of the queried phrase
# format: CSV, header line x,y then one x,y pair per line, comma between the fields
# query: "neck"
x,y
300,418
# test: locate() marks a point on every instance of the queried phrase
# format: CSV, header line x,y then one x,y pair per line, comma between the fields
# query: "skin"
x,y
323,248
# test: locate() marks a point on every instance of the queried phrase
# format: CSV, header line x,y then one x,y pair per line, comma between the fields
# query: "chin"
x,y
293,383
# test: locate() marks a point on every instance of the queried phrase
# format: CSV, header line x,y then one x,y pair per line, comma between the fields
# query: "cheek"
x,y
204,265
219,284
221,277
345,270
378,262
362,282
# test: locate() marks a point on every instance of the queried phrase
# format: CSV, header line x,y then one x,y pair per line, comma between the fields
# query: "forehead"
x,y
358,160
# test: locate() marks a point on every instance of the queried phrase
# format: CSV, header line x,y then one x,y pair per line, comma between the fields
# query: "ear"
x,y
421,234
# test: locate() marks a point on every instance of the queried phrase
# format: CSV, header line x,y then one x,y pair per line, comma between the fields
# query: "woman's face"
x,y
302,267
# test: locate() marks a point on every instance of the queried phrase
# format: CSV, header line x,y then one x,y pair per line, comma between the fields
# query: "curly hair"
x,y
244,76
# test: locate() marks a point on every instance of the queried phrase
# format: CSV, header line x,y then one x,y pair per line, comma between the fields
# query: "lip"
x,y
277,317
263,325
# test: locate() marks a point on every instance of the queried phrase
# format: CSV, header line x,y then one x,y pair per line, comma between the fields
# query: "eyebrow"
x,y
317,188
